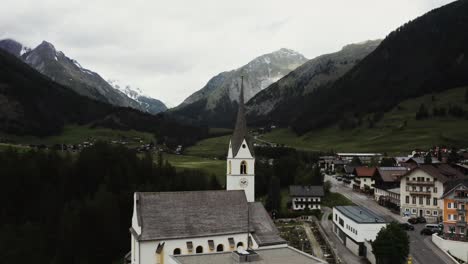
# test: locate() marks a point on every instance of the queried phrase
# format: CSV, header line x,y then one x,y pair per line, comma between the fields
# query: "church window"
x,y
229,168
231,242
243,146
211,244
220,248
199,249
240,244
243,167
177,251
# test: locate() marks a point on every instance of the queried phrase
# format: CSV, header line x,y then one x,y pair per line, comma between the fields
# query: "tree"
x,y
466,95
356,162
391,245
387,162
428,158
273,201
422,112
327,186
453,156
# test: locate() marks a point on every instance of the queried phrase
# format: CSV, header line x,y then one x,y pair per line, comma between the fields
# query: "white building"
x,y
364,177
354,224
303,197
422,188
169,225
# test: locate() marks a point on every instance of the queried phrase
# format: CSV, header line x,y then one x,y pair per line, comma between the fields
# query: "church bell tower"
x,y
240,159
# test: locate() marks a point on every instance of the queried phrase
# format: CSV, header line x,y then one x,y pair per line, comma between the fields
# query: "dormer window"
x,y
243,167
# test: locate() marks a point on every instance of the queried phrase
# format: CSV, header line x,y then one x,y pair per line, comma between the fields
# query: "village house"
x,y
417,161
364,176
422,187
305,197
364,157
455,202
387,185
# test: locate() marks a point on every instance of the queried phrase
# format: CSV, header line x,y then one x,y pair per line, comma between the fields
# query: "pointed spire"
x,y
240,131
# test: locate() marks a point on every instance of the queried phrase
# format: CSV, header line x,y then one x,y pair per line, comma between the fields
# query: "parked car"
x,y
421,220
413,220
339,179
407,226
427,231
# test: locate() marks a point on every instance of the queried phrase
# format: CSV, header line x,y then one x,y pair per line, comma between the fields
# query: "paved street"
x,y
422,249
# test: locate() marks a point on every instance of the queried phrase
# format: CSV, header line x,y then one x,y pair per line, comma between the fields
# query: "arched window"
x,y
243,167
240,244
220,248
229,167
199,249
177,251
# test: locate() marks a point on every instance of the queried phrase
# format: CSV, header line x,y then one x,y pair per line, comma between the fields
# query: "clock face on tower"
x,y
243,182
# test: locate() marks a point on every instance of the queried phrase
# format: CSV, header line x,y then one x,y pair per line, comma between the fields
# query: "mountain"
x,y
427,55
33,104
147,103
68,72
216,103
303,80
13,47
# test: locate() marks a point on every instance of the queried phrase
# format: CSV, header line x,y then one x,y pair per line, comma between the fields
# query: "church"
x,y
222,226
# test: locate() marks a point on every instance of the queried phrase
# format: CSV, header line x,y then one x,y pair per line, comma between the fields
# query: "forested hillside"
x,y
32,104
427,55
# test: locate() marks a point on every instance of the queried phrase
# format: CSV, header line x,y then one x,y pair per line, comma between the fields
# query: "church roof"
x,y
240,131
171,215
265,232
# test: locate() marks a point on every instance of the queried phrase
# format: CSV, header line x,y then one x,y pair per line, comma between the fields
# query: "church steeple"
x,y
240,130
240,160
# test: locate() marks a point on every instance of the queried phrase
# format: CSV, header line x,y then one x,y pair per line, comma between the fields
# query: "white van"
x,y
434,227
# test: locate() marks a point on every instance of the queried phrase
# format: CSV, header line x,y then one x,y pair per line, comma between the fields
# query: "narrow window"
x,y
243,167
177,251
240,244
229,168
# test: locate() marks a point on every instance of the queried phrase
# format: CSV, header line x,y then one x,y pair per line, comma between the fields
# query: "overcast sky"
x,y
170,49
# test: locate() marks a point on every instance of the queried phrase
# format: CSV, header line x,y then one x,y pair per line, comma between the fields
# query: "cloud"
x,y
170,49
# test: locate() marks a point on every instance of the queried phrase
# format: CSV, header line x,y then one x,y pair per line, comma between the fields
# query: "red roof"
x,y
364,171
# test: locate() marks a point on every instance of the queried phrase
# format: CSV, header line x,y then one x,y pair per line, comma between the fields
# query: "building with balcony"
x,y
387,185
422,188
305,197
455,202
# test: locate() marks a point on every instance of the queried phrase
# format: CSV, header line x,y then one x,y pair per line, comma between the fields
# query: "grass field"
x,y
390,134
211,147
209,166
335,199
78,134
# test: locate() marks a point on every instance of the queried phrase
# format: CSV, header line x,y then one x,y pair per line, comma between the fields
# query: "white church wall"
x,y
148,248
135,225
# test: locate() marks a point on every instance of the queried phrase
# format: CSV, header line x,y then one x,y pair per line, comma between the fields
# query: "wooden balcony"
x,y
461,223
461,199
461,211
421,183
424,193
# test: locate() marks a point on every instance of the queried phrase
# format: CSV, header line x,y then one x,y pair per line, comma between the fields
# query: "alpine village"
x,y
355,156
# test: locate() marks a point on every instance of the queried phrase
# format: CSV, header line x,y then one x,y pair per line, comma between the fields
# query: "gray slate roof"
x,y
166,215
306,191
265,232
284,255
240,131
360,214
170,215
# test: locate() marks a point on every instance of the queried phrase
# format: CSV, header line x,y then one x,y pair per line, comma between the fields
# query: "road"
x,y
422,250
